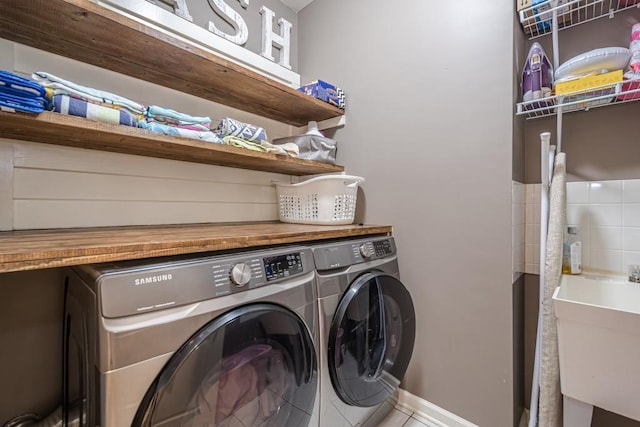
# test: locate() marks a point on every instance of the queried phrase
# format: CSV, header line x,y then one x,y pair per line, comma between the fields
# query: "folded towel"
x,y
170,117
174,131
96,96
287,149
18,93
243,143
66,104
245,131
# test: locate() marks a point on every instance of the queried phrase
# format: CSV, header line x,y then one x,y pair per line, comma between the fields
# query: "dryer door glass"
x,y
371,339
255,365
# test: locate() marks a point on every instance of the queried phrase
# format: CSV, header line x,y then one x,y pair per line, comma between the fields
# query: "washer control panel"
x,y
140,287
277,267
344,254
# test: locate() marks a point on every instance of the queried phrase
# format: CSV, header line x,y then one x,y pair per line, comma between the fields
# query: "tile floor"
x,y
404,417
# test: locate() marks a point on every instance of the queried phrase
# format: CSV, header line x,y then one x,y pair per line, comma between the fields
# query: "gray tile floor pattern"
x,y
403,417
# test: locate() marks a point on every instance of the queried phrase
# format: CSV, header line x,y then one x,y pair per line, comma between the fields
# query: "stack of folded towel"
x,y
171,122
238,134
20,94
73,99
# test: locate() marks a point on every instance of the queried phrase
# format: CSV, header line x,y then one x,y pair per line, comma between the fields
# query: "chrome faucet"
x,y
634,273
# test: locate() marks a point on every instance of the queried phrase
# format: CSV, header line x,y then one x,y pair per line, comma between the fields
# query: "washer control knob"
x,y
240,274
365,250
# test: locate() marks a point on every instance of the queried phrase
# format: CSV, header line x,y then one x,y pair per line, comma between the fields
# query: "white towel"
x,y
550,396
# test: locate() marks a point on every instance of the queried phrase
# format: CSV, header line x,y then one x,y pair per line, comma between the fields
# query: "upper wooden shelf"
x,y
89,33
37,249
60,129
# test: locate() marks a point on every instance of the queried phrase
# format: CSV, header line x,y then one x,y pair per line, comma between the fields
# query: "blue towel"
x,y
185,133
21,94
170,117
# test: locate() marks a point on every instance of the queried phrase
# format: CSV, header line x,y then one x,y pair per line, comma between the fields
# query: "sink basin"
x,y
598,318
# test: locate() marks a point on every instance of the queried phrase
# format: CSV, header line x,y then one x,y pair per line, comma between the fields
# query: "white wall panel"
x,y
59,187
30,214
43,156
63,185
6,184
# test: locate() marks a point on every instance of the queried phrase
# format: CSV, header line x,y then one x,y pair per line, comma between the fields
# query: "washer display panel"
x,y
253,366
371,339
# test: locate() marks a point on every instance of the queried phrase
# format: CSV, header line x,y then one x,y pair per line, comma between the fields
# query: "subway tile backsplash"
x,y
607,214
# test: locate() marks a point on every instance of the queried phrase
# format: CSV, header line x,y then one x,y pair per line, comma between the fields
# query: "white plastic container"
x,y
323,200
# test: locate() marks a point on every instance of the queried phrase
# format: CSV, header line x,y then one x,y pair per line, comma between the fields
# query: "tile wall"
x,y
518,207
607,214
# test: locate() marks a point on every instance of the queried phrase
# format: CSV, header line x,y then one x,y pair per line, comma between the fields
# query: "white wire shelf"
x,y
600,96
536,20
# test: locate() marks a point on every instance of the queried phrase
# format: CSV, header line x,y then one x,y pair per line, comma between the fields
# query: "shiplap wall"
x,y
48,186
54,186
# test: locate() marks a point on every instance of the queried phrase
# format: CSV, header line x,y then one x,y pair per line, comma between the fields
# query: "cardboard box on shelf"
x,y
325,92
584,84
536,15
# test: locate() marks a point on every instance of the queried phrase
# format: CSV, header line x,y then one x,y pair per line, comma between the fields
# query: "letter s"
x,y
233,18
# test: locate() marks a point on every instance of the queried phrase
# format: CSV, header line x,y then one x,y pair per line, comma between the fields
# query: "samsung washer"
x,y
367,330
224,340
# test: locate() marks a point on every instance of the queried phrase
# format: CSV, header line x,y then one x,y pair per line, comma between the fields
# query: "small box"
x,y
536,15
522,4
583,84
326,92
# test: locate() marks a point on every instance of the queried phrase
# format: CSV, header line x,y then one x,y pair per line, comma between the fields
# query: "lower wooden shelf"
x,y
38,249
60,129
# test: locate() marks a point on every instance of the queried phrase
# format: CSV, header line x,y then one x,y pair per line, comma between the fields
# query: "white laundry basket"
x,y
324,200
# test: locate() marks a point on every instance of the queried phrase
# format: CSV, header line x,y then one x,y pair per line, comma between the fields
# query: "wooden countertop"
x,y
37,249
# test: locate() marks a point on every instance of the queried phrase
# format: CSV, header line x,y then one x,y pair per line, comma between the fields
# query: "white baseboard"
x,y
431,413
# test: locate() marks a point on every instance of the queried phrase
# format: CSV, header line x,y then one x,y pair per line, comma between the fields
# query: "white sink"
x,y
598,319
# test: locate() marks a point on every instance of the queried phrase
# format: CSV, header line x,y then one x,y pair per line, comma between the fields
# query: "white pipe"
x,y
554,34
546,166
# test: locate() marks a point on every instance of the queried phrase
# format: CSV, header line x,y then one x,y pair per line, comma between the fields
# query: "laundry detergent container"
x,y
323,200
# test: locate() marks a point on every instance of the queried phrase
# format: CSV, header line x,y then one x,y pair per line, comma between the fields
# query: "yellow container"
x,y
583,84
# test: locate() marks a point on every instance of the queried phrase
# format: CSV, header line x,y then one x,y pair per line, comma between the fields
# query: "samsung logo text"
x,y
153,279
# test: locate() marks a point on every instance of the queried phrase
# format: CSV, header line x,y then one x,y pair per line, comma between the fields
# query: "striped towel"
x,y
185,133
66,104
58,86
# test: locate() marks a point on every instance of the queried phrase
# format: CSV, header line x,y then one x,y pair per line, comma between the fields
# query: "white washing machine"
x,y
367,330
224,340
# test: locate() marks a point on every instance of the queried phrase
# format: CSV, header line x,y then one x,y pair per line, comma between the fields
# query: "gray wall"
x,y
31,342
202,13
429,125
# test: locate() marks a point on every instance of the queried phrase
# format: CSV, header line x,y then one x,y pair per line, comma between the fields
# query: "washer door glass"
x,y
371,339
253,366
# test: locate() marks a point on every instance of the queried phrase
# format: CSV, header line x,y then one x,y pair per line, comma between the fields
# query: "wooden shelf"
x,y
89,33
37,249
59,129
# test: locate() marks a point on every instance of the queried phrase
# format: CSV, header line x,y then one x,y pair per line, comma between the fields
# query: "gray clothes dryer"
x,y
224,340
367,330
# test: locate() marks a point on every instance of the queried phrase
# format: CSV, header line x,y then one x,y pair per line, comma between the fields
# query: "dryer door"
x,y
371,339
254,365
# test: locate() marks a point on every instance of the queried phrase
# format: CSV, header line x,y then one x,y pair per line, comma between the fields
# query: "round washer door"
x,y
254,365
371,339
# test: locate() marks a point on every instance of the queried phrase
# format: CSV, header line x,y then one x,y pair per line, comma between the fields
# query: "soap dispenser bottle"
x,y
572,252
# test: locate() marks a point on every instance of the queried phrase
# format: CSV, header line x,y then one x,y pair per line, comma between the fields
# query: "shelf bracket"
x,y
331,123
